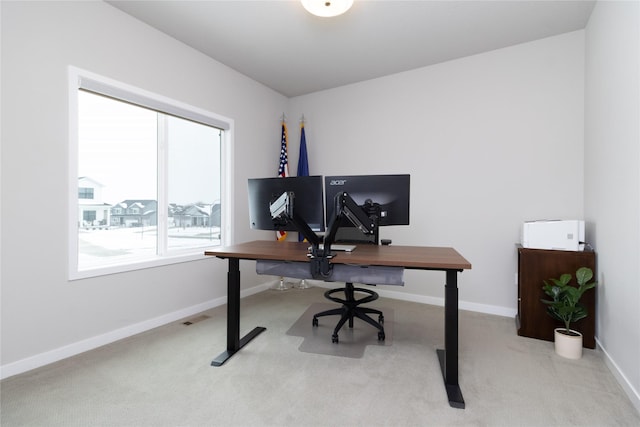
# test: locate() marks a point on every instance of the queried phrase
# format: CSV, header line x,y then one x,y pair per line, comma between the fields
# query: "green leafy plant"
x,y
565,304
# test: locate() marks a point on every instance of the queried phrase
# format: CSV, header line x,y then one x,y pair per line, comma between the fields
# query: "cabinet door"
x,y
537,265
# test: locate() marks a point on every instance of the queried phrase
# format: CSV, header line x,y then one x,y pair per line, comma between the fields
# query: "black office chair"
x,y
350,305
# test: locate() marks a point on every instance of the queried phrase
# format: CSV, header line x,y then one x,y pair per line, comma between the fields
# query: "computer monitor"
x,y
391,192
308,201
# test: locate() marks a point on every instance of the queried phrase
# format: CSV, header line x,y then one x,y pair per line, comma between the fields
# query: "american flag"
x,y
283,169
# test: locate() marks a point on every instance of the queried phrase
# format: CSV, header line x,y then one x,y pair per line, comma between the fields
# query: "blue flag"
x,y
303,162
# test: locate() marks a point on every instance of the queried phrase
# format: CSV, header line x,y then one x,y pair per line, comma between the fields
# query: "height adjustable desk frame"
x,y
409,257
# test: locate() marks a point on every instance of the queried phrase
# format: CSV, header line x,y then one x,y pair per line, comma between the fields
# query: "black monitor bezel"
x,y
380,187
308,201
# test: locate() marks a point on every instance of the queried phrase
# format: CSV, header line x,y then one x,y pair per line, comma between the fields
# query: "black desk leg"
x,y
449,356
234,342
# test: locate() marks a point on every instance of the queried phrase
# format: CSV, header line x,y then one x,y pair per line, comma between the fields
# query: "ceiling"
x,y
285,48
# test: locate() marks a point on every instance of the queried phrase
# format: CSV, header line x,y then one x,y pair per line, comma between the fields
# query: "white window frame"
x,y
82,79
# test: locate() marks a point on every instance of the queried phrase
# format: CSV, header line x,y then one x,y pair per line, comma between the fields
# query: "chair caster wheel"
x,y
381,319
315,321
334,338
381,336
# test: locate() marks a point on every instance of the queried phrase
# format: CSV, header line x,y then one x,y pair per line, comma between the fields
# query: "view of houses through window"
x,y
148,183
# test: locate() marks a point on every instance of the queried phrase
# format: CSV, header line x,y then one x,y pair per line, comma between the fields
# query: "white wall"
x,y
44,316
612,180
489,140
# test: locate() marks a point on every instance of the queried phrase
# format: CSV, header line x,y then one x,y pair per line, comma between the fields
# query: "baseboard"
x,y
52,356
404,296
73,349
631,392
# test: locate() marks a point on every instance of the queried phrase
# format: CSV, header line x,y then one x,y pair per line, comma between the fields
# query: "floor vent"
x,y
195,320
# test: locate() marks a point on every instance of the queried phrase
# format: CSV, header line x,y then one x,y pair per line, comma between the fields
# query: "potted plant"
x,y
565,306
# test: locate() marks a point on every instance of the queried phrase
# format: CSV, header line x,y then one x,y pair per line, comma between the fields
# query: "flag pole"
x,y
283,172
303,170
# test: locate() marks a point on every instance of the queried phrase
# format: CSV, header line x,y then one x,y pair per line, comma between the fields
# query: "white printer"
x,y
564,235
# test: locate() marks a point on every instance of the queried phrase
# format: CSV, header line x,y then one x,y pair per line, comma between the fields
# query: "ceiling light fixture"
x,y
327,8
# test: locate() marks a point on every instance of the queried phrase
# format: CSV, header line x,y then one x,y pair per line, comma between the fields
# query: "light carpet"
x,y
163,377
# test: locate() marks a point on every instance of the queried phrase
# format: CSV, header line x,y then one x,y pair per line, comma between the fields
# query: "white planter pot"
x,y
569,346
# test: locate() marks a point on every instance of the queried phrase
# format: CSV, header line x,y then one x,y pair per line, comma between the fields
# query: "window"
x,y
85,193
147,175
89,216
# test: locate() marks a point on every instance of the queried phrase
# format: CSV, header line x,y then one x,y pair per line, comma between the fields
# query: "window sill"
x,y
137,265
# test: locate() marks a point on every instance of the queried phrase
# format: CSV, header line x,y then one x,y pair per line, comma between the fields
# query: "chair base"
x,y
350,309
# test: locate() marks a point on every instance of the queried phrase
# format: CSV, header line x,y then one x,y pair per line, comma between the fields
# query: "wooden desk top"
x,y
416,257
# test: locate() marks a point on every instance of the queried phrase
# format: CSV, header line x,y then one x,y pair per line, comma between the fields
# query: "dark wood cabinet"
x,y
537,265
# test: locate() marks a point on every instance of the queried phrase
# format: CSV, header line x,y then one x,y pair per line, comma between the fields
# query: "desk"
x,y
409,257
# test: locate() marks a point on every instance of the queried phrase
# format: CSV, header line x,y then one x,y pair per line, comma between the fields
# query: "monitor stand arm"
x,y
283,212
365,218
